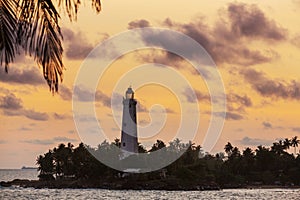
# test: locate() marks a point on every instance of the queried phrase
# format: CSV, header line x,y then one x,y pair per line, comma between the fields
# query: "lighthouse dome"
x,y
129,93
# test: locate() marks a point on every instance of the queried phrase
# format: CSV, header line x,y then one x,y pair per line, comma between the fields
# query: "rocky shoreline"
x,y
170,185
167,184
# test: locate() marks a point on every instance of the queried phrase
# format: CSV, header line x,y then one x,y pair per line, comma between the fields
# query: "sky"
x,y
255,46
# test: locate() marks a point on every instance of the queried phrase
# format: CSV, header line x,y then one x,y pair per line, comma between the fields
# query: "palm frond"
x,y
8,26
70,7
34,25
40,35
97,5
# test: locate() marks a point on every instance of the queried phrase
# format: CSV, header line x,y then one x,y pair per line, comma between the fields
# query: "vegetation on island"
x,y
194,169
67,166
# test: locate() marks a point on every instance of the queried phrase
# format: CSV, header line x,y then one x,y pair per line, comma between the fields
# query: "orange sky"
x,y
255,45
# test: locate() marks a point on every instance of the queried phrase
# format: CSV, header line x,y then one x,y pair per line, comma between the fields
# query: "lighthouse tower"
x,y
129,141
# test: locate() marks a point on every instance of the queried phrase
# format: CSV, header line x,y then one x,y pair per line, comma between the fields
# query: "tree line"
x,y
233,167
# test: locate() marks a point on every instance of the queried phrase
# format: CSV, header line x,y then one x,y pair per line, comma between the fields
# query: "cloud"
x,y
86,118
138,24
24,128
229,115
39,142
296,40
4,90
49,141
296,2
236,102
60,116
162,59
188,94
229,49
239,130
228,41
85,95
78,46
267,125
254,141
106,100
34,115
71,131
141,108
8,112
11,102
65,93
170,111
12,106
63,139
2,142
165,40
116,100
243,100
144,122
296,129
30,76
271,88
249,21
233,116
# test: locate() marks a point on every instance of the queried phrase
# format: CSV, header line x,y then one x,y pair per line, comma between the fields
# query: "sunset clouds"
x,y
229,39
285,89
12,106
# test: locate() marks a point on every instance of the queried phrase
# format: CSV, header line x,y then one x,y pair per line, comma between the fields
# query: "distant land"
x,y
25,167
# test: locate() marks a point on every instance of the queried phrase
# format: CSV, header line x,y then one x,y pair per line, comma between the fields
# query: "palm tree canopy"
x,y
33,25
295,142
228,148
286,143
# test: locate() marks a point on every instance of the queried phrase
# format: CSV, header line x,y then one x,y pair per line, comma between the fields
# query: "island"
x,y
265,167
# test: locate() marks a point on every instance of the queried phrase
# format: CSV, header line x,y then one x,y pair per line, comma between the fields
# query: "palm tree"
x,y
248,156
228,148
117,142
294,143
158,145
61,157
235,152
286,143
141,148
248,153
33,26
46,166
278,147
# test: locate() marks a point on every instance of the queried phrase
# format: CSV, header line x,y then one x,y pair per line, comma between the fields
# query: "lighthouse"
x,y
129,141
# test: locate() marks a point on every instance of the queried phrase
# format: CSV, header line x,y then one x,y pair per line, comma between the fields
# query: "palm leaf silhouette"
x,y
8,25
34,26
39,34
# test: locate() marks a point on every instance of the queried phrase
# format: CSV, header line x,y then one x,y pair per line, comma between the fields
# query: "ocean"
x,y
31,193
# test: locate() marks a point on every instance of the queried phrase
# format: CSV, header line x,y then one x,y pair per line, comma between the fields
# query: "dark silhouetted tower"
x,y
129,141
